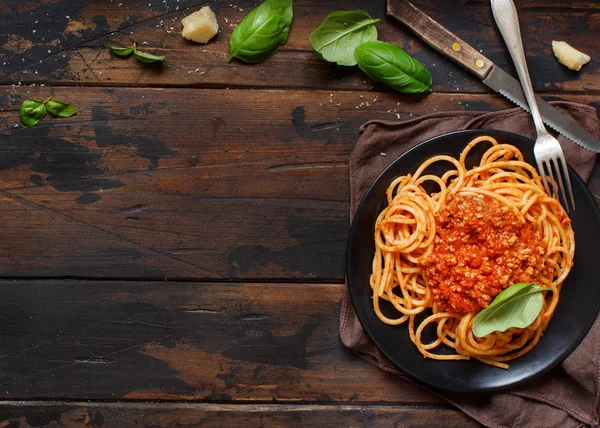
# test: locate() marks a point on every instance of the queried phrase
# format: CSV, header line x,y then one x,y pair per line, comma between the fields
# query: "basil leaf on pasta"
x,y
517,306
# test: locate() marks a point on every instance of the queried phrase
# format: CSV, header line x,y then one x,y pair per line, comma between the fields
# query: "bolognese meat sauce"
x,y
480,249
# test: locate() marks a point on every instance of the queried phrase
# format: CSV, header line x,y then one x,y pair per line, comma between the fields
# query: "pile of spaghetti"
x,y
442,257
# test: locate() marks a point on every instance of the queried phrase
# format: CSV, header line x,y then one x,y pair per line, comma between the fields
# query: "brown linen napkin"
x,y
568,396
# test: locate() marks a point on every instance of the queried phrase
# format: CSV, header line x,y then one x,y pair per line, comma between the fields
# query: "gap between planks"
x,y
219,86
256,405
312,282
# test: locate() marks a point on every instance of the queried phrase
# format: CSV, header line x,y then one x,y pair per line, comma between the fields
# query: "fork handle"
x,y
505,14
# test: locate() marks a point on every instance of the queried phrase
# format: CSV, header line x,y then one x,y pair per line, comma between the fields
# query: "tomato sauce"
x,y
480,249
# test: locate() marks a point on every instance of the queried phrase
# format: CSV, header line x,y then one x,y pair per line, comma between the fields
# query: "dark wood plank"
x,y
154,183
24,414
65,42
184,341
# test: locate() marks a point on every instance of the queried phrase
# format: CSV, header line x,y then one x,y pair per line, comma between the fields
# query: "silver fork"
x,y
547,150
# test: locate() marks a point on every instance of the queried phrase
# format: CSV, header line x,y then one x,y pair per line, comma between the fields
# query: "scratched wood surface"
x,y
178,245
156,340
64,42
28,414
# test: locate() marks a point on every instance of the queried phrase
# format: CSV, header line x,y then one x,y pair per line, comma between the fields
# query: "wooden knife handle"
x,y
439,38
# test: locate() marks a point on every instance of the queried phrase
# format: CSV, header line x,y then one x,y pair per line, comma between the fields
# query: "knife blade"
x,y
503,83
451,46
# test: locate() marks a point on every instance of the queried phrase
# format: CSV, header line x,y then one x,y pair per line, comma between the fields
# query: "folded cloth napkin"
x,y
569,395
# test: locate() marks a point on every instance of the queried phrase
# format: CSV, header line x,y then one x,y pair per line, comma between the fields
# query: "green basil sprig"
x,y
340,33
262,32
32,111
147,58
517,306
388,63
139,55
122,52
58,109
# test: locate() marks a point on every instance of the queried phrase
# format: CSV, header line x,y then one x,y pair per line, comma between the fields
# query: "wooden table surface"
x,y
174,253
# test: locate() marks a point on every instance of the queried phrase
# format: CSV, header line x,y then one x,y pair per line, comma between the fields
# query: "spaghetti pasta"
x,y
441,257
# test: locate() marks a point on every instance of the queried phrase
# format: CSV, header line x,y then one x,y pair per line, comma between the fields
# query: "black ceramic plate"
x,y
579,299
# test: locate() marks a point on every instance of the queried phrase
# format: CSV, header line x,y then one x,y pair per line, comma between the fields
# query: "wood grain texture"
x,y
64,42
223,342
155,183
165,174
107,415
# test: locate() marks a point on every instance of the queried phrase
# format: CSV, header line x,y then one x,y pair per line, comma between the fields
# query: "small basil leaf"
x,y
58,109
387,63
144,57
517,306
340,33
122,52
31,112
262,32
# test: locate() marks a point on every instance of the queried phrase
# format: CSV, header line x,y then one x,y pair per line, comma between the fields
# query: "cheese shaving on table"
x,y
200,26
569,56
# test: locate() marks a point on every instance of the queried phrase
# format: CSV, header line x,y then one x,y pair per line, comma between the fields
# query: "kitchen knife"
x,y
448,44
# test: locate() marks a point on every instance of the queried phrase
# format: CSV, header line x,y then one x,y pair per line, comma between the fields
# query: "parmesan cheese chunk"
x,y
200,26
569,56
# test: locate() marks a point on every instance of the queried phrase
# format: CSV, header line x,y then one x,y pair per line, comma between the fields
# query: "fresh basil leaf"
x,y
517,306
262,32
122,52
387,63
511,291
31,112
58,109
340,33
147,58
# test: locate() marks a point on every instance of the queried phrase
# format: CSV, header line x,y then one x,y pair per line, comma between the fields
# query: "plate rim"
x,y
414,374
